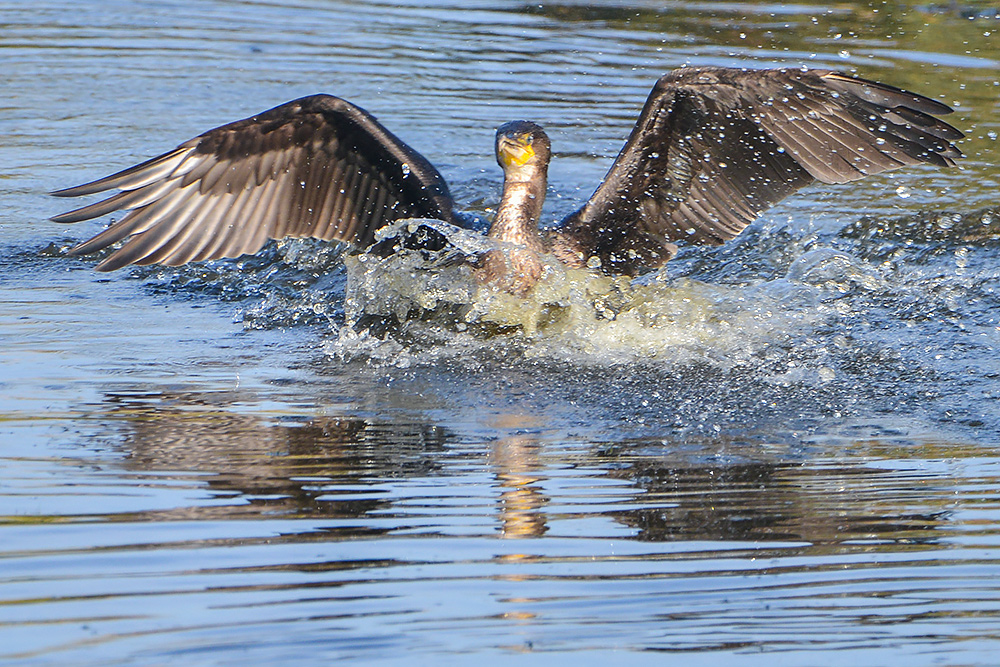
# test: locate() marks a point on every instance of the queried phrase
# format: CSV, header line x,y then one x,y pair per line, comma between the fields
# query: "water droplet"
x,y
406,170
903,191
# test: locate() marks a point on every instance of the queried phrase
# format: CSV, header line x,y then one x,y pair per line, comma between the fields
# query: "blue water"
x,y
781,451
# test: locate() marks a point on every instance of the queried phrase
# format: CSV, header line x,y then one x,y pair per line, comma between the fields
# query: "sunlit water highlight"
x,y
779,451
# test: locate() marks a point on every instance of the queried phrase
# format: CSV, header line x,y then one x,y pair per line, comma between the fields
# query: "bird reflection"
x,y
515,460
722,498
686,489
277,467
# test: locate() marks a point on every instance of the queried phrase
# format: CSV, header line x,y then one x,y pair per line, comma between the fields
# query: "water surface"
x,y
779,451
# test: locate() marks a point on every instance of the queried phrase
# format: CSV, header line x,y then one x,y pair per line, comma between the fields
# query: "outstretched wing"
x,y
715,147
315,167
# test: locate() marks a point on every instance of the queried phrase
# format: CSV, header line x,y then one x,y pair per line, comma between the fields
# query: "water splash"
x,y
417,299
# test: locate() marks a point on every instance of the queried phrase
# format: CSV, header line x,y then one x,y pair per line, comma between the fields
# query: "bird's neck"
x,y
517,216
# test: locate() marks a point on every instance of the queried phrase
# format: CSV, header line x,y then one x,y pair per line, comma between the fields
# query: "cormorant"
x,y
712,149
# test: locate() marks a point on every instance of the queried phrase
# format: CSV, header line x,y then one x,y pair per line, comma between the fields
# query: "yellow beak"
x,y
515,154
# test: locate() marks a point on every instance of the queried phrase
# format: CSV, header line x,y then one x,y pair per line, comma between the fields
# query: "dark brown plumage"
x,y
316,167
712,149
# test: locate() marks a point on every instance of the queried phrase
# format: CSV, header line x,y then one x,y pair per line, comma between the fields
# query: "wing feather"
x,y
133,177
715,147
318,166
125,200
142,244
201,239
197,169
169,249
135,222
326,209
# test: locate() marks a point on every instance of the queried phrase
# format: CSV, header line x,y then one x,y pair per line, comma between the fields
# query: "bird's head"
x,y
522,148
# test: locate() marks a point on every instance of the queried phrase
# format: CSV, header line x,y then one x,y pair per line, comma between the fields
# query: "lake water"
x,y
782,451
